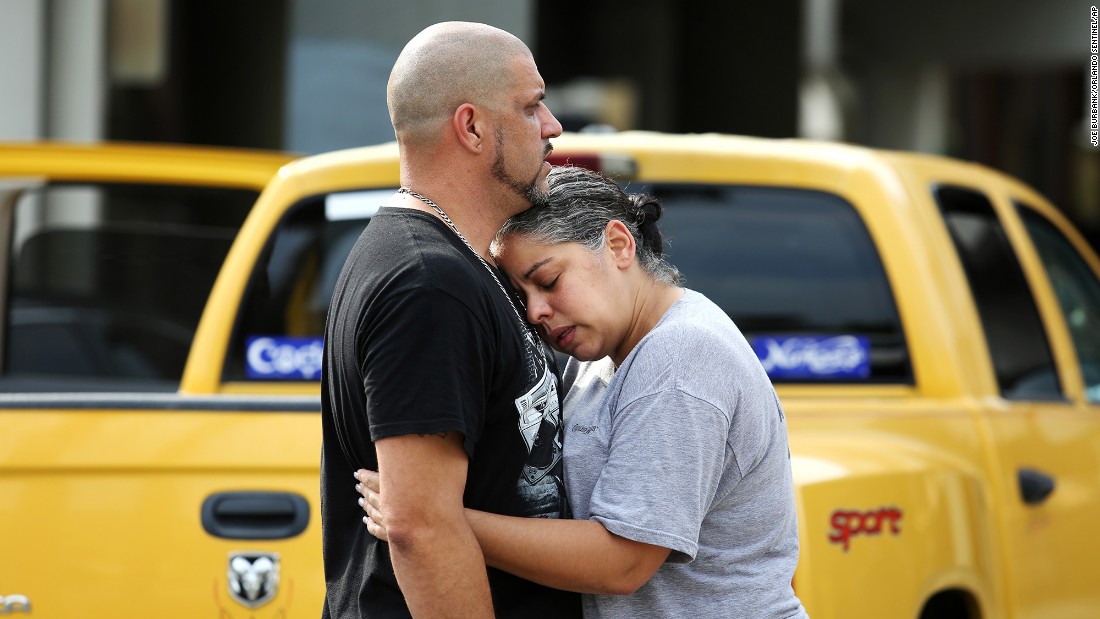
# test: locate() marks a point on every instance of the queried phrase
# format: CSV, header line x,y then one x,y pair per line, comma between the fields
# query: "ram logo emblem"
x,y
253,577
14,604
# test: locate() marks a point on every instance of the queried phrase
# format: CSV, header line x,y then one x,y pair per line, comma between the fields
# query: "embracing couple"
x,y
652,476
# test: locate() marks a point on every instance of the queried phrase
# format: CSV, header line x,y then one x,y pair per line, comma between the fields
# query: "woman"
x,y
676,459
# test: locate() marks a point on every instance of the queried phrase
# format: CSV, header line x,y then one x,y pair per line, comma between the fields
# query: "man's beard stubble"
x,y
528,190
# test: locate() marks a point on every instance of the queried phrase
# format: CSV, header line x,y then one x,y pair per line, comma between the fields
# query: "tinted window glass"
x,y
1078,293
278,333
782,263
107,283
785,262
1013,329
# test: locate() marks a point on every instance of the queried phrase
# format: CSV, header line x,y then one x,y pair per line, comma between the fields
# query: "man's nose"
x,y
551,128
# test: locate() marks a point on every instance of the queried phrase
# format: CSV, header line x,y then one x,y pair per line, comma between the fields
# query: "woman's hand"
x,y
368,487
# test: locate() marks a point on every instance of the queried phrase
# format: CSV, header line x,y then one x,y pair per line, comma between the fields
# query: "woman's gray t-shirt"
x,y
685,447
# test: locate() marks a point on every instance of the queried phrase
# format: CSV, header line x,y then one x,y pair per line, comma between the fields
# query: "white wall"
x,y
77,74
22,71
52,69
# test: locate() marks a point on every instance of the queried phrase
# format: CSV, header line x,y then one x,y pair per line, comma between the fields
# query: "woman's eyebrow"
x,y
536,266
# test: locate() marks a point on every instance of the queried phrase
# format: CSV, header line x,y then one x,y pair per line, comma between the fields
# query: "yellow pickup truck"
x,y
932,327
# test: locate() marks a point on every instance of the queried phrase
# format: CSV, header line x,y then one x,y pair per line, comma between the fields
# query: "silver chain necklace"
x,y
450,224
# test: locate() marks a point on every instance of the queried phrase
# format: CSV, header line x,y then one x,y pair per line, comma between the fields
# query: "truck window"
x,y
278,334
1078,292
1018,345
798,273
785,264
106,283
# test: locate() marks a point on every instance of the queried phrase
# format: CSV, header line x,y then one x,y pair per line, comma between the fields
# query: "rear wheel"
x,y
951,604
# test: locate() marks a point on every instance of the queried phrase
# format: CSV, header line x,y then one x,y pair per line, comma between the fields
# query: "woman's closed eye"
x,y
550,284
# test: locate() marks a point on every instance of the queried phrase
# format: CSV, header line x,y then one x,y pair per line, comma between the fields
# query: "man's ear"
x,y
620,242
468,123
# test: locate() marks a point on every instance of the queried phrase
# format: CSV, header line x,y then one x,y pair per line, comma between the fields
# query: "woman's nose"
x,y
538,309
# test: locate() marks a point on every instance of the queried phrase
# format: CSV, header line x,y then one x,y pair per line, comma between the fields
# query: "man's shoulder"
x,y
404,247
406,233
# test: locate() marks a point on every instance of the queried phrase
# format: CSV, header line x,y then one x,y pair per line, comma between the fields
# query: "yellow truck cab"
x,y
932,328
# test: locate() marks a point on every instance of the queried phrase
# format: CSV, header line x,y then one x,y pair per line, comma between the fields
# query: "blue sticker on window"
x,y
284,358
813,356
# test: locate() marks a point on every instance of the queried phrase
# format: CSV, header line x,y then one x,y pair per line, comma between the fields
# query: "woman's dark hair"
x,y
576,210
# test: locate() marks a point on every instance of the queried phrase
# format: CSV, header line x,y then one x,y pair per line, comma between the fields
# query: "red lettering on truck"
x,y
848,523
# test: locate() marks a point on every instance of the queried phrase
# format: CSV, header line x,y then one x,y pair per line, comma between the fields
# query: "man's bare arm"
x,y
436,558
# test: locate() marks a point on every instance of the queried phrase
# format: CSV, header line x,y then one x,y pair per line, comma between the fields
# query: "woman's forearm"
x,y
574,555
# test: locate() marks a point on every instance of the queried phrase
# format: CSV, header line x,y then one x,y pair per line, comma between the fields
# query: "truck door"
x,y
121,496
1045,419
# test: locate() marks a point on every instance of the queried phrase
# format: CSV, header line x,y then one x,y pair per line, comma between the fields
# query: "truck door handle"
x,y
1035,486
255,515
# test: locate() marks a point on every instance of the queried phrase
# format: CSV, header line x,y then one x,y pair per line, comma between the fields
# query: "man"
x,y
431,376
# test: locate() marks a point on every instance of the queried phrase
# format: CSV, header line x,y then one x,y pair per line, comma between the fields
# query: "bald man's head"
x,y
444,66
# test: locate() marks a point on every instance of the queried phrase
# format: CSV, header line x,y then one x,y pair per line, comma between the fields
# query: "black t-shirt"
x,y
420,339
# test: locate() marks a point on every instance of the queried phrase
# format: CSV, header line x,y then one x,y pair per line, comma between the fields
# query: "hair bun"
x,y
647,210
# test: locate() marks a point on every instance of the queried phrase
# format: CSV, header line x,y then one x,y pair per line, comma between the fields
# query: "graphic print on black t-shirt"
x,y
540,487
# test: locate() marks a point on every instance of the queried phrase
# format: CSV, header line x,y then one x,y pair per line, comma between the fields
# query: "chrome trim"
x,y
166,401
